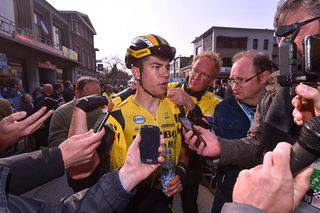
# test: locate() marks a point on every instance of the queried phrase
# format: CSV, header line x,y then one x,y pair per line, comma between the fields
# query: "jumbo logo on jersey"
x,y
139,119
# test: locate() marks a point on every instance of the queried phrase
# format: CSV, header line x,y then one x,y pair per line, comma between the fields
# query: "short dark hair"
x,y
82,81
260,60
66,83
11,82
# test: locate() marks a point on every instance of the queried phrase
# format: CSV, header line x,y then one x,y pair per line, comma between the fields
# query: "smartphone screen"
x,y
187,125
101,121
150,142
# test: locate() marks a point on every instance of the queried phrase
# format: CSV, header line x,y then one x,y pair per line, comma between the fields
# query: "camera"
x,y
294,70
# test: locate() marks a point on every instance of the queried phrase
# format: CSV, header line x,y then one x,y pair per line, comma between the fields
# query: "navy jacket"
x,y
230,122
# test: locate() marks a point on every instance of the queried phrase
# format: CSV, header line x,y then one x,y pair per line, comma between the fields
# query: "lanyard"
x,y
249,112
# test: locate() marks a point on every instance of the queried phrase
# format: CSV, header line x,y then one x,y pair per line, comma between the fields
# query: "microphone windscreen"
x,y
306,150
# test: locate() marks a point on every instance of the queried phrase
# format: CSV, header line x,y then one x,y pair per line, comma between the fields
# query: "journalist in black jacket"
x,y
112,193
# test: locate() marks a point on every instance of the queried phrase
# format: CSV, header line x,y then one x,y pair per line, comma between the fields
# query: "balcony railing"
x,y
11,29
8,27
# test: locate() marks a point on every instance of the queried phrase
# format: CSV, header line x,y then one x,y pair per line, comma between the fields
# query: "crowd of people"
x,y
243,138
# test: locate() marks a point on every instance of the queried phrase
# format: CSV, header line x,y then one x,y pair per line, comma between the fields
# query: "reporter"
x,y
42,166
12,128
273,120
111,194
270,187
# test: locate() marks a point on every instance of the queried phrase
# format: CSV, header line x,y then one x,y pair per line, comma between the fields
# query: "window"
x,y
231,42
41,31
198,50
255,44
76,27
37,25
84,57
56,37
78,50
265,44
89,61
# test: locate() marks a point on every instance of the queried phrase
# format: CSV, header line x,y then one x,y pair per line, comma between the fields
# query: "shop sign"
x,y
36,43
47,65
68,53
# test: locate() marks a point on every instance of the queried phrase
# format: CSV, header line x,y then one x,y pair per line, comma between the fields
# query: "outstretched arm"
x,y
12,128
270,186
79,126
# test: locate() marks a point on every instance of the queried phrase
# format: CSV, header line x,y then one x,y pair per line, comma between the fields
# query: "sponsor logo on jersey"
x,y
139,119
168,125
169,134
166,115
170,144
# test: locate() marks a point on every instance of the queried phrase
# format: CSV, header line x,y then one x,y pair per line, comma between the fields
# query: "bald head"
x,y
47,89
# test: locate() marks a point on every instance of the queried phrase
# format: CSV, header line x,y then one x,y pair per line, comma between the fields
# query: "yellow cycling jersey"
x,y
121,96
207,102
127,118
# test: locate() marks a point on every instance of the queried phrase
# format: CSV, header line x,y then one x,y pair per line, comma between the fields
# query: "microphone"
x,y
306,150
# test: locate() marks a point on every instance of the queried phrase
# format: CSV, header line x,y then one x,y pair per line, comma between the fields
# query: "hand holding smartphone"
x,y
187,125
149,144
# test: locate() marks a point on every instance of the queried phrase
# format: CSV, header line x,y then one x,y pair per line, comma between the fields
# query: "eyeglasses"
x,y
202,75
241,82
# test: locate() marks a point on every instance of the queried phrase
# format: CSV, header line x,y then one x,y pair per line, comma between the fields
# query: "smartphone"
x,y
50,103
101,121
197,120
200,139
187,125
149,144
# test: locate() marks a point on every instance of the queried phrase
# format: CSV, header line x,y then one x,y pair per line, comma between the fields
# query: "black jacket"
x,y
24,172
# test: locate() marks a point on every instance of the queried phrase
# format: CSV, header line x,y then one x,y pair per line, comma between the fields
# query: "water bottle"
x,y
168,168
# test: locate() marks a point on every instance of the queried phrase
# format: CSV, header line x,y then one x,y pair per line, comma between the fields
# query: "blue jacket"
x,y
229,122
15,98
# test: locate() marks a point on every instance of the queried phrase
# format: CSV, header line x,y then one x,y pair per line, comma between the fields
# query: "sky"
x,y
118,22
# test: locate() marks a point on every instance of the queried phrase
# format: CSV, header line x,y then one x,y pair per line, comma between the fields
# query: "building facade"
x,y
177,64
36,44
227,41
82,42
